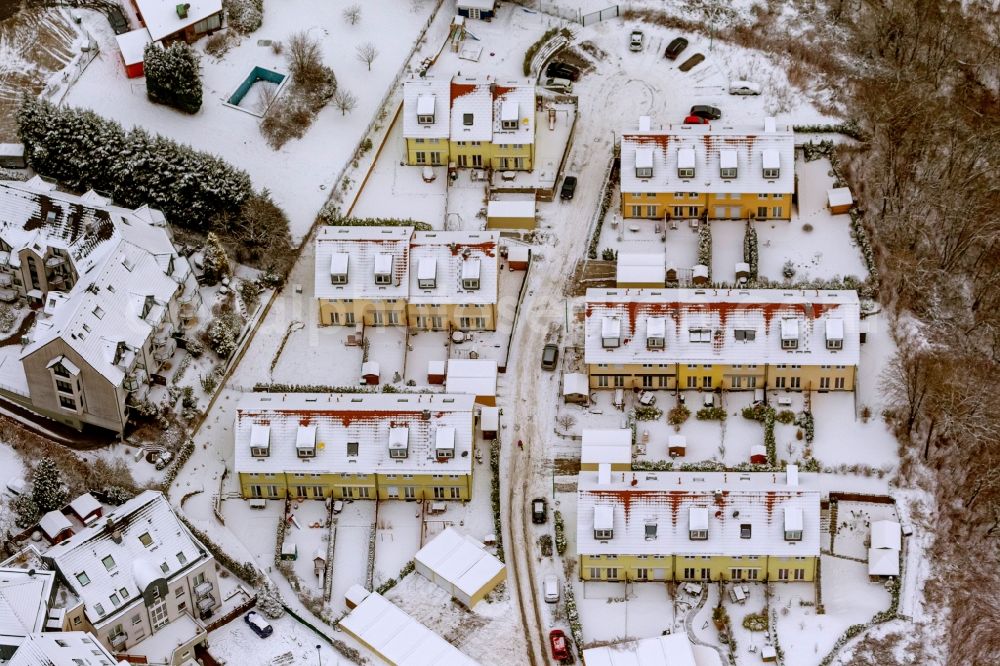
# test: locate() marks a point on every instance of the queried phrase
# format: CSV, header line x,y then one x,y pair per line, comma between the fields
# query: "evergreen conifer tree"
x,y
47,489
172,76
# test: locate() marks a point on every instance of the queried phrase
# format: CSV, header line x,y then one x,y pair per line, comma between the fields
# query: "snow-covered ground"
x,y
301,173
350,554
235,644
397,538
854,520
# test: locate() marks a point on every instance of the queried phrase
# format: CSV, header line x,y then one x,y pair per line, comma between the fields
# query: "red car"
x,y
560,650
695,120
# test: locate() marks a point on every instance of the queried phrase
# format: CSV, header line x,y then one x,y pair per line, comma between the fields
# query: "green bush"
x,y
647,413
756,621
785,417
678,415
711,414
172,76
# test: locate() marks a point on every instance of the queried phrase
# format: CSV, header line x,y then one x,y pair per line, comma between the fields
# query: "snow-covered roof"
x,y
604,516
575,383
369,249
641,268
883,562
839,196
702,324
85,505
459,560
162,19
426,97
669,650
132,45
514,102
677,502
397,637
518,208
335,419
24,601
446,257
793,519
707,149
53,523
477,377
61,648
489,418
471,109
109,568
482,5
886,534
606,445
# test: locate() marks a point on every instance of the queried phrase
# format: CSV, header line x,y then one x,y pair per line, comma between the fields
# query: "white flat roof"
x,y
834,329
489,418
132,45
886,534
883,562
641,267
670,650
460,560
575,383
611,445
839,196
611,327
482,5
793,519
426,268
471,376
519,208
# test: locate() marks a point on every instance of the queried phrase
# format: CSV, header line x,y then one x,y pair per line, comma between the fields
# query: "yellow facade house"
x,y
471,123
697,526
721,339
426,116
724,172
453,281
354,445
513,143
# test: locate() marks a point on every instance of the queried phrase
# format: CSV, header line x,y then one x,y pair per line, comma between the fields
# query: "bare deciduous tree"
x,y
352,14
344,100
566,421
367,54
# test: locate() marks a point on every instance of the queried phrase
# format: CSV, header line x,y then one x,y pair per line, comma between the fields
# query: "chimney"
x,y
113,530
425,415
182,10
31,573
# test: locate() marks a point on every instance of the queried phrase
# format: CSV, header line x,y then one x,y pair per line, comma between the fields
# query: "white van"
x,y
550,588
744,88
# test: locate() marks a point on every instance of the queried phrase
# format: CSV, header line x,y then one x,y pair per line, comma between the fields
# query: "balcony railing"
x,y
164,334
118,640
203,589
55,260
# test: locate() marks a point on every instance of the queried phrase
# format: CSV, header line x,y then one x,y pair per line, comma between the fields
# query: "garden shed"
x,y
700,275
55,526
476,377
86,508
510,214
289,551
758,454
435,372
742,271
518,257
575,388
676,445
12,156
460,565
132,48
489,422
839,199
370,372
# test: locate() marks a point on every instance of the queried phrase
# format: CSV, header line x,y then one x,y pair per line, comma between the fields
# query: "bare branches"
x,y
352,14
345,101
367,54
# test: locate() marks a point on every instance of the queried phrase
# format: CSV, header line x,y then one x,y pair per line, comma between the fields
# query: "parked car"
x,y
260,626
560,648
558,84
562,70
568,188
539,510
635,41
675,47
116,17
707,112
550,354
550,588
690,63
695,120
744,88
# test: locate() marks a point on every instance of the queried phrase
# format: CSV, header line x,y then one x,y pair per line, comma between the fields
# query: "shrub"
x,y
545,544
332,217
223,332
608,254
218,44
7,318
495,495
560,528
172,76
788,270
244,16
215,264
751,249
785,416
756,621
678,415
647,413
711,414
48,491
805,421
705,246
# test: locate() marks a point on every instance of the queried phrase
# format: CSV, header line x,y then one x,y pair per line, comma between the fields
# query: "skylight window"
x,y
145,539
83,579
109,562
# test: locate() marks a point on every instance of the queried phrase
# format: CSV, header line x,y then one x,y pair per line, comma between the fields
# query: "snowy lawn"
x,y
614,611
301,173
319,356
843,438
422,348
310,537
291,644
854,521
256,529
387,347
466,203
748,643
397,538
727,249
350,555
848,599
824,251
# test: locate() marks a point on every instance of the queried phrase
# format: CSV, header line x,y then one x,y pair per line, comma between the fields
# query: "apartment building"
x,y
109,291
138,572
697,526
355,446
474,122
713,339
395,276
719,171
76,648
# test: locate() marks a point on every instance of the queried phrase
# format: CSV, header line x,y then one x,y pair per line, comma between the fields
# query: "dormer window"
x,y
650,531
260,441
745,530
338,267
383,268
698,523
425,110
471,271
611,332
834,333
727,164
793,524
656,328
508,115
644,163
444,442
685,163
399,439
305,442
771,164
604,520
789,334
427,273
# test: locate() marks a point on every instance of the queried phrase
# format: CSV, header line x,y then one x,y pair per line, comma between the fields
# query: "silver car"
x,y
635,41
558,85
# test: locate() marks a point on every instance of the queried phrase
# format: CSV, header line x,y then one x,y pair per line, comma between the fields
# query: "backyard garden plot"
x,y
397,538
291,644
466,203
842,437
256,529
424,348
300,174
748,643
386,346
854,520
318,356
350,556
727,249
616,611
306,538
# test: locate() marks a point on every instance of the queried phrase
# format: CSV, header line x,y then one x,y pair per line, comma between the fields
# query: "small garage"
x,y
86,508
510,214
576,388
12,156
132,47
56,526
676,446
758,454
518,257
370,372
435,372
489,422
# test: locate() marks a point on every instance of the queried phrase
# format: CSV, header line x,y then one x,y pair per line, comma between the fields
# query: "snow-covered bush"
x,y
215,264
545,544
705,246
172,76
7,318
269,600
560,528
756,621
26,511
116,495
244,16
223,332
788,270
785,417
495,495
751,250
647,413
805,421
711,414
47,487
678,415
609,254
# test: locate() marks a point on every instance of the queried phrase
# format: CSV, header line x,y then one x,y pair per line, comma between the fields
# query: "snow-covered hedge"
x,y
678,415
647,413
560,532
392,582
805,421
330,214
495,495
573,617
607,195
529,55
172,76
711,414
849,128
705,246
751,250
277,387
246,571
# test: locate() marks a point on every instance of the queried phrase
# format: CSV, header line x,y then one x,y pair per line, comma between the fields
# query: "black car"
x,y
568,188
539,510
706,112
675,47
258,624
550,354
117,20
562,70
